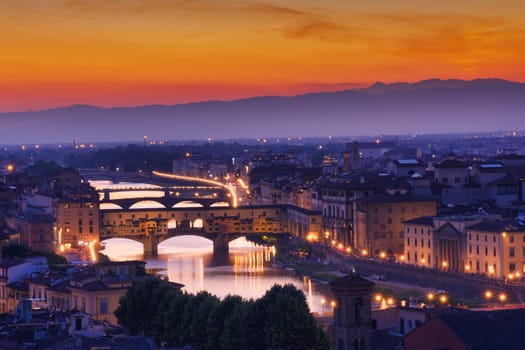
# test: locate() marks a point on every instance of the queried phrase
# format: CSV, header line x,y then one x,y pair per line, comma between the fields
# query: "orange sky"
x,y
132,52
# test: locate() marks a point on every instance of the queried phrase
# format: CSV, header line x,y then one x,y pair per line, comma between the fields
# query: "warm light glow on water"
x,y
189,260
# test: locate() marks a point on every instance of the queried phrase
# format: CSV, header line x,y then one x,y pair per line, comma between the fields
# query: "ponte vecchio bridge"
x,y
219,224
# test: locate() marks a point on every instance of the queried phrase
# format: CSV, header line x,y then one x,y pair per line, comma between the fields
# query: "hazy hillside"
x,y
427,106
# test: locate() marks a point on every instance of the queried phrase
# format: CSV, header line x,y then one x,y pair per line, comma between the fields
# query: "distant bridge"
x,y
203,196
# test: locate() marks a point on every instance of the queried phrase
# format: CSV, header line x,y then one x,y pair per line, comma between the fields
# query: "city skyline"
x,y
129,53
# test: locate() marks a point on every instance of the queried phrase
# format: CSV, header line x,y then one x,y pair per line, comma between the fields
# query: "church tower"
x,y
352,313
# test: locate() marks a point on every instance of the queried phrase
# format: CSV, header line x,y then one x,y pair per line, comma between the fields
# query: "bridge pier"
x,y
106,195
151,246
221,244
221,250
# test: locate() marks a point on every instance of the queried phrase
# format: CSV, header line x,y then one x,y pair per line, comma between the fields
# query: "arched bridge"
x,y
167,202
152,232
173,197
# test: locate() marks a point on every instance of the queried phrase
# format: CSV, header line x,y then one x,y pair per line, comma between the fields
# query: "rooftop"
x,y
423,221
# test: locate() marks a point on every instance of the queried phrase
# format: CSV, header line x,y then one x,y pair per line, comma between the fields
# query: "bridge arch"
x,y
109,206
123,248
220,204
188,204
147,204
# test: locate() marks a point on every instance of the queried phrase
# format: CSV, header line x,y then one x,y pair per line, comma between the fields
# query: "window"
x,y
512,267
457,179
486,251
470,249
428,243
511,239
103,306
494,239
494,251
389,221
408,244
511,252
477,237
389,210
477,250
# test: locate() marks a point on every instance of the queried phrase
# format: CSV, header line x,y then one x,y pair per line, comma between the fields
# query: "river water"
x,y
189,260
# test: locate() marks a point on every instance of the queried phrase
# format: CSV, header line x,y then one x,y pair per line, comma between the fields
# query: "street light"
x,y
502,297
444,264
430,296
443,299
323,302
378,298
488,295
333,304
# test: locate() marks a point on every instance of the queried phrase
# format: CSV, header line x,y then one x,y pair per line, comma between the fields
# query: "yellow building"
x,y
496,248
418,247
380,221
76,220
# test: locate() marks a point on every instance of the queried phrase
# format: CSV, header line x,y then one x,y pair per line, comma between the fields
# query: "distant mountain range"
x,y
430,106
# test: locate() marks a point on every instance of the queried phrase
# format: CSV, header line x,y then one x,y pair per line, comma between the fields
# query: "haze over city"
x,y
59,53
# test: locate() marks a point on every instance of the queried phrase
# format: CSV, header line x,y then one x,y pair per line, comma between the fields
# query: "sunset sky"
x,y
135,52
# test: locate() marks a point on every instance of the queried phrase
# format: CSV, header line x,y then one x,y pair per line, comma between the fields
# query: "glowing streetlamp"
x,y
364,252
488,295
502,297
323,302
333,304
430,296
378,298
382,255
444,264
390,301
443,299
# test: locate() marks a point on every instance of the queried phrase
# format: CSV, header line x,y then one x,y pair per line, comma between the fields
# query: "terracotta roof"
x,y
498,226
395,198
501,329
451,164
423,221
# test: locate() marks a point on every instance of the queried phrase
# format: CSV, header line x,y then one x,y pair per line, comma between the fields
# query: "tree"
x,y
236,334
142,303
288,323
217,320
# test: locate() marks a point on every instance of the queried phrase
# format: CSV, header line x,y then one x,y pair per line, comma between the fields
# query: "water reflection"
x,y
189,260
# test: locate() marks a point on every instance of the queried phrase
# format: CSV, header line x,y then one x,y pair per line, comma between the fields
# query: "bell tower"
x,y
352,313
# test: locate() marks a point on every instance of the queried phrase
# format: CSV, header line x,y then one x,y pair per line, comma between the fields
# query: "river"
x,y
189,260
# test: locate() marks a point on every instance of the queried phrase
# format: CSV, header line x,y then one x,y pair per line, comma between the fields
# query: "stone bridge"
x,y
152,233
